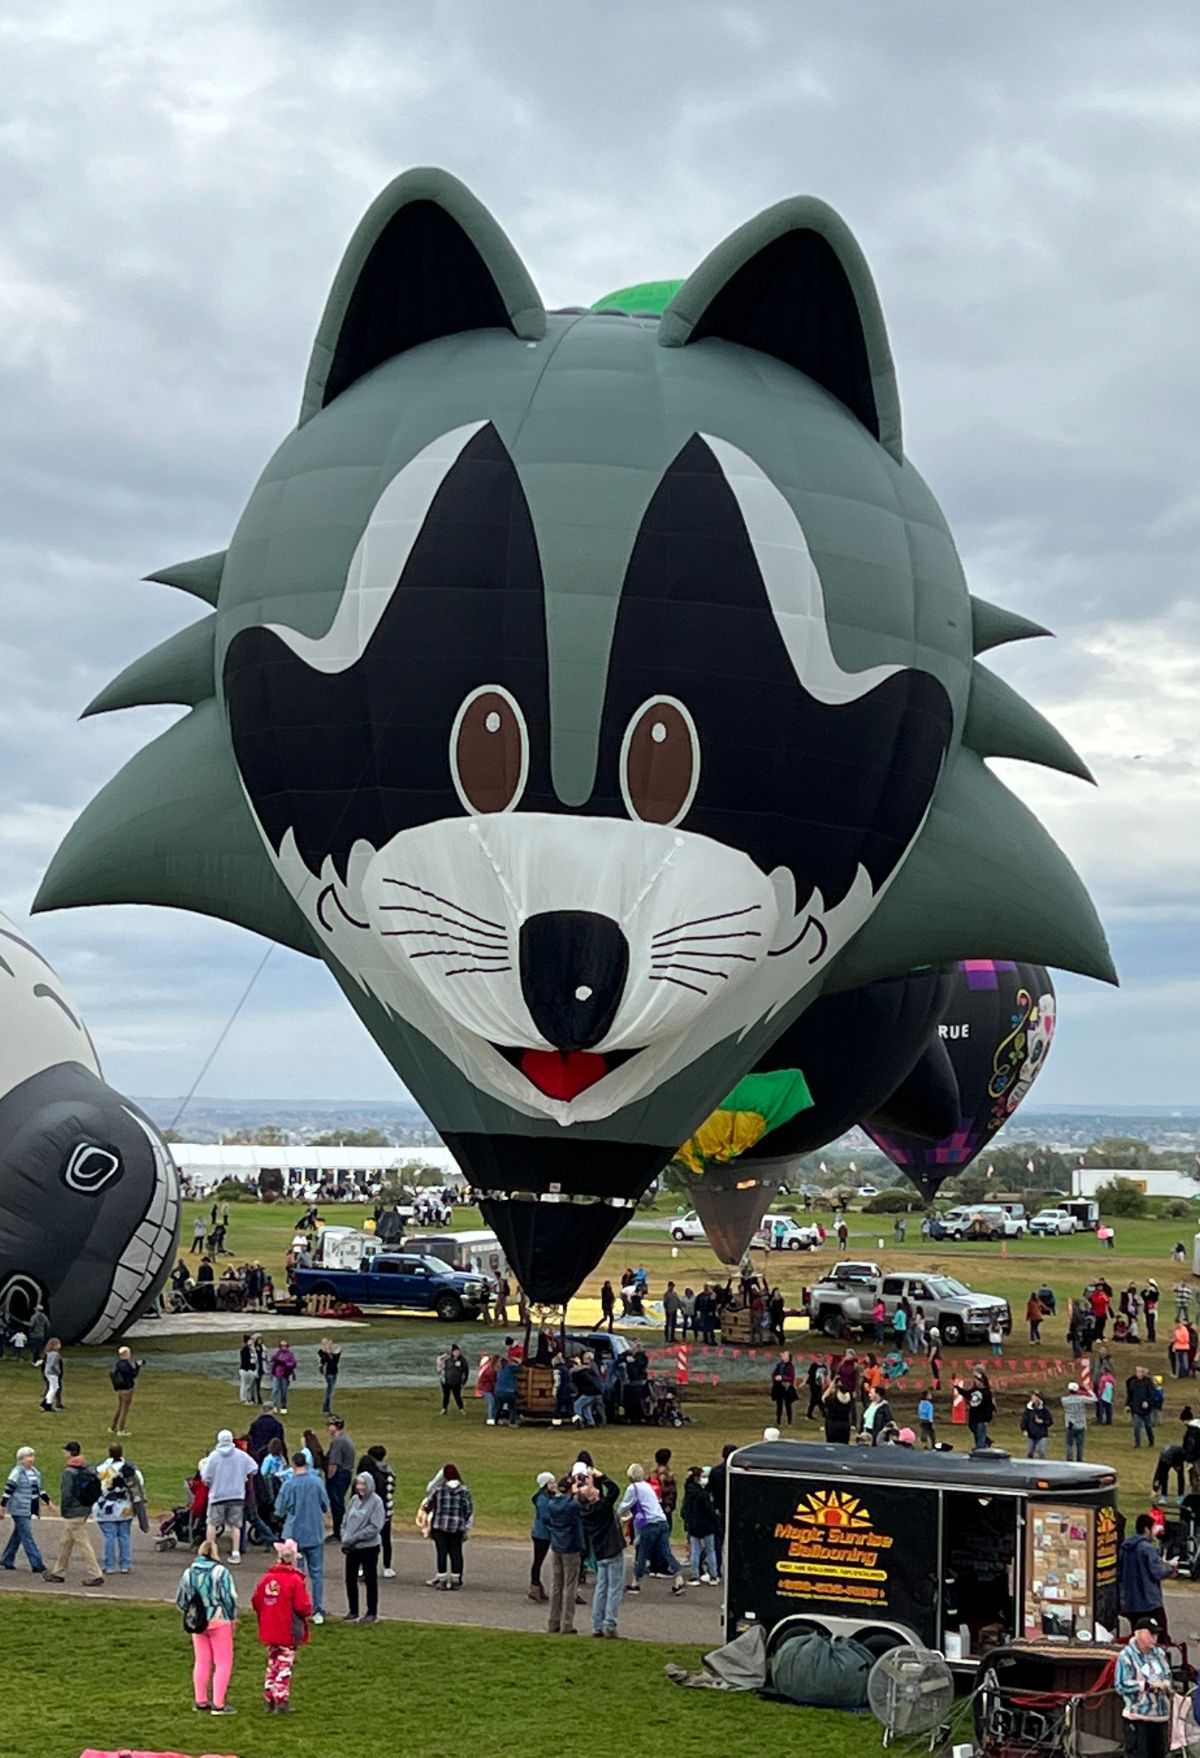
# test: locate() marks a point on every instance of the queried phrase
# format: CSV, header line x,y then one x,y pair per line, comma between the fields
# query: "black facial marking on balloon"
x,y
89,1168
810,922
45,993
574,967
793,783
5,966
365,753
332,891
820,790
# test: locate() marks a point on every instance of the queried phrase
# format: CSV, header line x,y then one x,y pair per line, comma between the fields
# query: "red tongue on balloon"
x,y
563,1074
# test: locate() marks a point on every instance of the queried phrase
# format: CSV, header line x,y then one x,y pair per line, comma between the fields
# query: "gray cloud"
x,y
177,186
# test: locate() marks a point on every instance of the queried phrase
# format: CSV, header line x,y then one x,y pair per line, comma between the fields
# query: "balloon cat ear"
x,y
427,260
793,283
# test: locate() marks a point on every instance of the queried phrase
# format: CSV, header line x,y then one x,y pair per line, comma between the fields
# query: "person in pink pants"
x,y
207,1597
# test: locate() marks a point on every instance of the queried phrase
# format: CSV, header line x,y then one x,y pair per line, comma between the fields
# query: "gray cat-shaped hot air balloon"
x,y
89,1194
593,692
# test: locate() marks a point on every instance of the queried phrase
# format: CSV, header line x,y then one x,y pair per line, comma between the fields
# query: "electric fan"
x,y
910,1691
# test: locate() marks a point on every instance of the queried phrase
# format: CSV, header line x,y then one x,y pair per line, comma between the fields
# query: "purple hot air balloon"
x,y
997,1029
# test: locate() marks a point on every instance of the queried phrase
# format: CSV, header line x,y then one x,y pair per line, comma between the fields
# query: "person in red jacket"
x,y
283,1608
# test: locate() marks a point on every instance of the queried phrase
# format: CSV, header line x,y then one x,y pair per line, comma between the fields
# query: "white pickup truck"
x,y
840,1307
779,1232
1054,1221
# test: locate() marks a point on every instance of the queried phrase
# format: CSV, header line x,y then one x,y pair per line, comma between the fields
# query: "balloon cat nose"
x,y
574,964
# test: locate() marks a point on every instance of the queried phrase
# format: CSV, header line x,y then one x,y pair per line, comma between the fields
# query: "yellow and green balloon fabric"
x,y
757,1104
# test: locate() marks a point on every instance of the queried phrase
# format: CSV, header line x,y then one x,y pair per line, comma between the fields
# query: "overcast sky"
x,y
177,183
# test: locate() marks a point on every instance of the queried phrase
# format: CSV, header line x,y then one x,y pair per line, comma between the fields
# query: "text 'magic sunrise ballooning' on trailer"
x,y
944,1550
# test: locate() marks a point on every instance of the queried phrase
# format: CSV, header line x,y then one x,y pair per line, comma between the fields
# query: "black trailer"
x,y
954,1551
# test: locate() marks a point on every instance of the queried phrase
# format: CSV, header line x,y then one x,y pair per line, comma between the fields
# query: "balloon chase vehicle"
x,y
89,1194
591,690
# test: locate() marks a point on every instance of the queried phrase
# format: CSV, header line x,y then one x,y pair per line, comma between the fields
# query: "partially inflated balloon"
x,y
997,1030
89,1194
589,690
731,1198
757,1105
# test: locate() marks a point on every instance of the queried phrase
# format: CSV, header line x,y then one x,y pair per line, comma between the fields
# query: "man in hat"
x,y
124,1383
75,1508
1077,1407
1143,1679
1150,1308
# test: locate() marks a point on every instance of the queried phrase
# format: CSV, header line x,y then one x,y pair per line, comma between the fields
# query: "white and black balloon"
x,y
89,1193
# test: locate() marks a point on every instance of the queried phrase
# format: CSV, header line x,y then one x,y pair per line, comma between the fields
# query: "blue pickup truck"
x,y
404,1279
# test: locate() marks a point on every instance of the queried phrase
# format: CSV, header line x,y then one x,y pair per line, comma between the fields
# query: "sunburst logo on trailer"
x,y
832,1549
833,1507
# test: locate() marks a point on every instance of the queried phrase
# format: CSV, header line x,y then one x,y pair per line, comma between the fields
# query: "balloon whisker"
x,y
439,934
702,921
458,952
448,902
414,909
695,969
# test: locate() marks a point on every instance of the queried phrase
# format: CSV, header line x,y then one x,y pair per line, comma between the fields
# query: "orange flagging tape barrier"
x,y
1001,1371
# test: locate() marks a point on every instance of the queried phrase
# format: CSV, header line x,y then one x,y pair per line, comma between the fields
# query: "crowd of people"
x,y
584,1522
857,1397
239,1287
290,1499
590,1387
247,1489
697,1314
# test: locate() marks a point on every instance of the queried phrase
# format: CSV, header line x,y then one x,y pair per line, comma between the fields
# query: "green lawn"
x,y
176,1416
86,1675
1143,1248
454,1689
177,1412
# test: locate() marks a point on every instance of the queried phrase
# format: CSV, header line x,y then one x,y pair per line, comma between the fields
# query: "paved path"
x,y
493,1596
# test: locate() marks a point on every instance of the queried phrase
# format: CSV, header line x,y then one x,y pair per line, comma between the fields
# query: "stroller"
x,y
662,1403
1181,1537
185,1525
263,1525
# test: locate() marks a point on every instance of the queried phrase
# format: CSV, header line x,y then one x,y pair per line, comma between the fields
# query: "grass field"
x,y
79,1674
1143,1248
176,1412
82,1675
